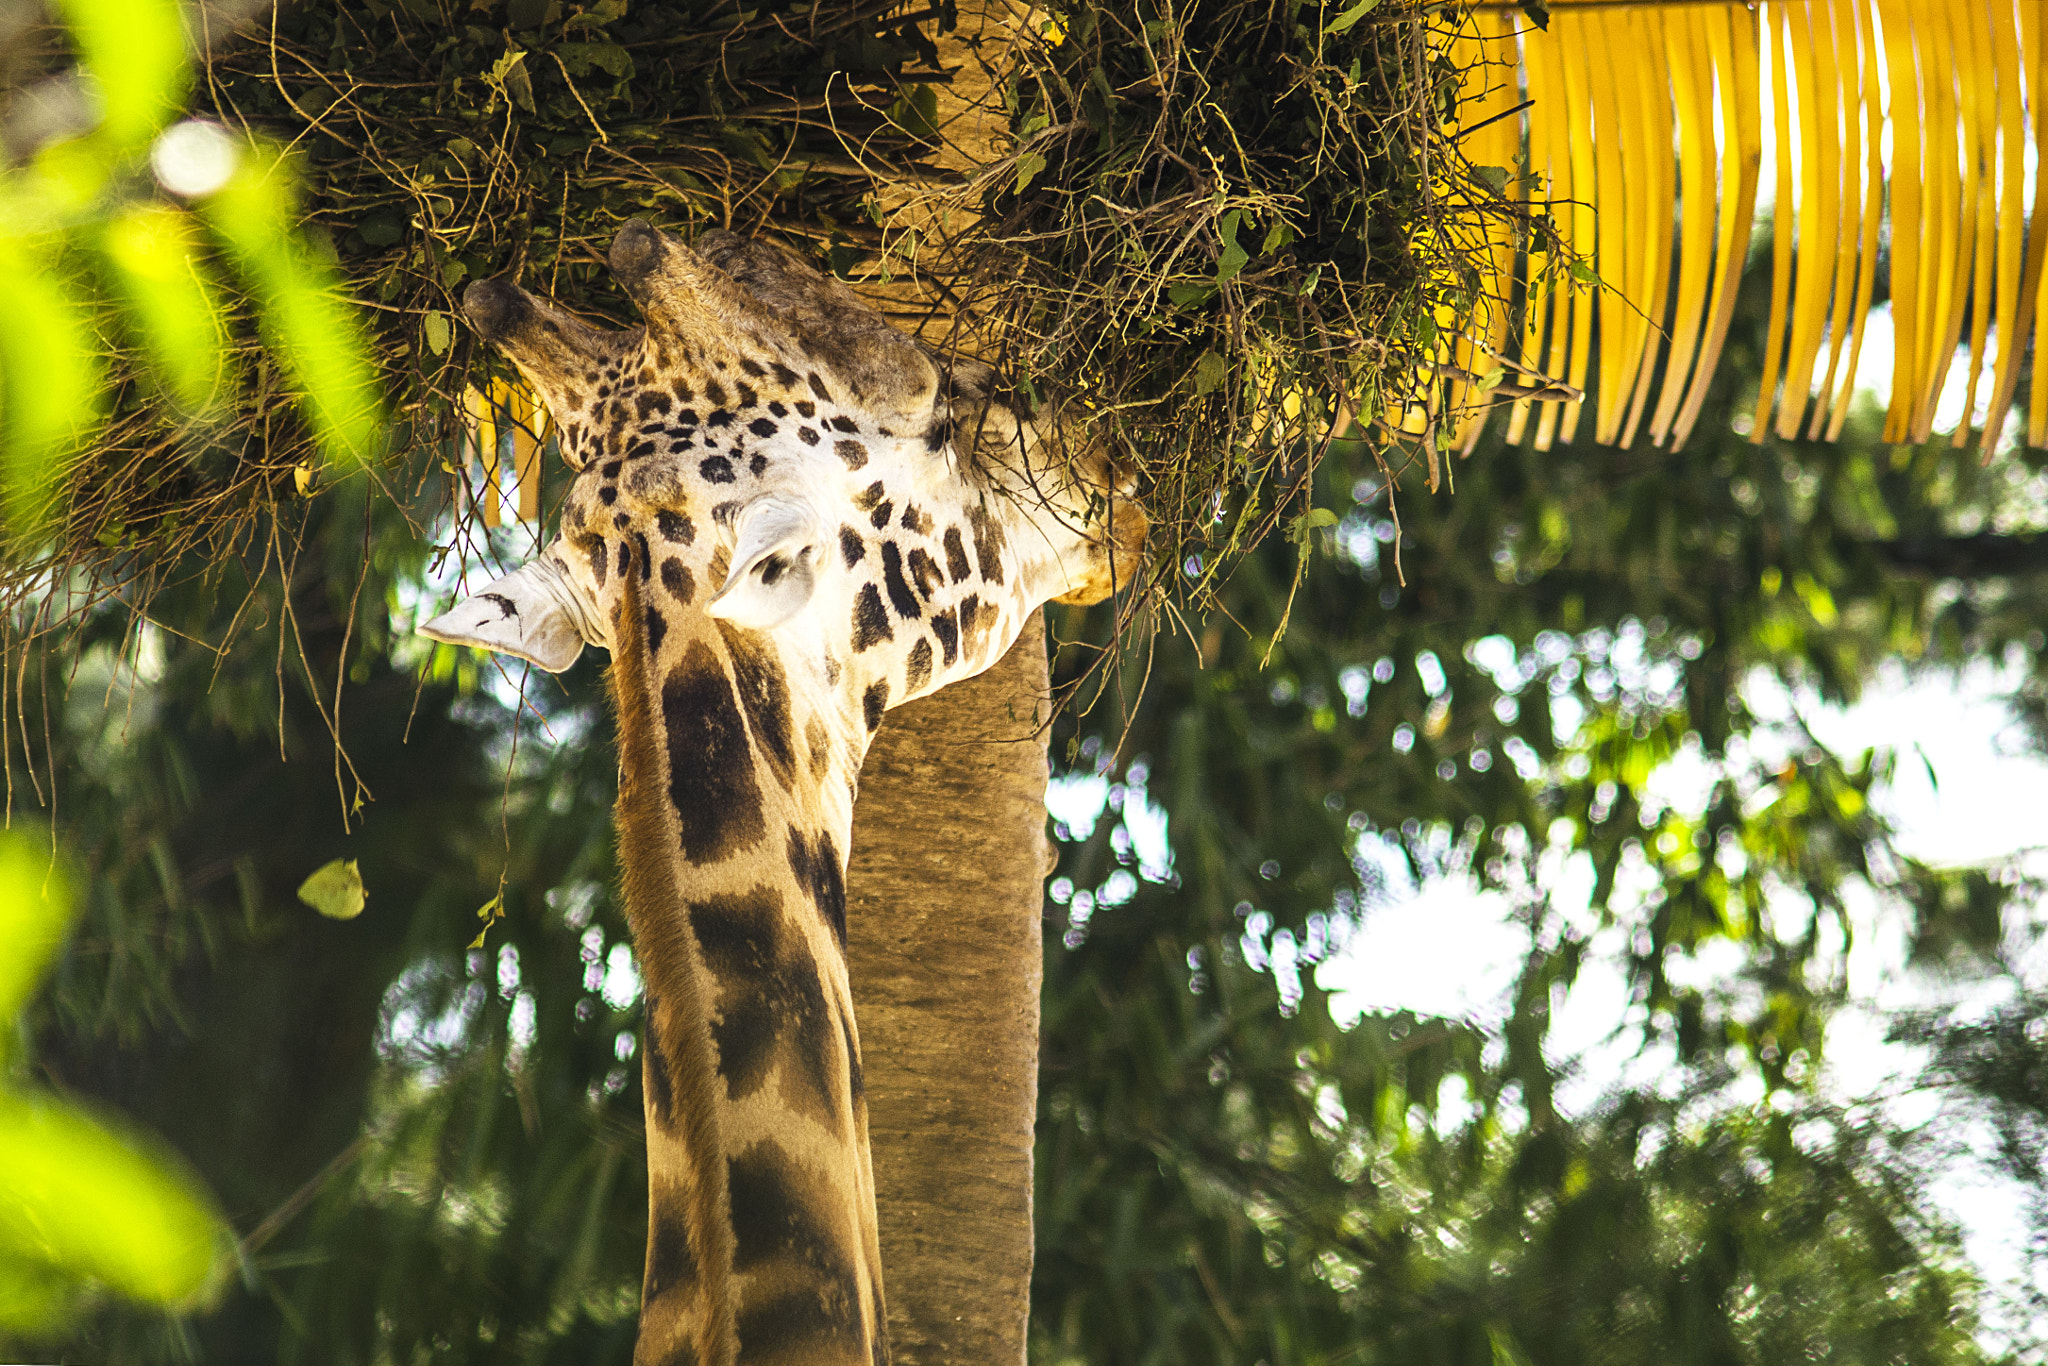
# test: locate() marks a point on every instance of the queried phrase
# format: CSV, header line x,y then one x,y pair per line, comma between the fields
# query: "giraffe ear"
x,y
532,613
777,544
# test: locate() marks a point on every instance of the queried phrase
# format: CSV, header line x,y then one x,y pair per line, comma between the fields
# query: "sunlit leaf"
x,y
158,268
79,1204
1343,22
35,913
51,382
1233,257
1028,167
510,75
135,50
439,334
86,1204
335,890
491,912
305,320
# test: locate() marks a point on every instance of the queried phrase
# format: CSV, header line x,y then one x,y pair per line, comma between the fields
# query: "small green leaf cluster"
x,y
1235,233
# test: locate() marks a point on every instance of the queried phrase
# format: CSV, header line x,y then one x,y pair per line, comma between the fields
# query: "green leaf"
x,y
1538,13
1028,167
1343,22
35,913
582,58
81,1204
52,385
1494,178
1211,370
491,912
1506,1351
335,890
437,332
1299,529
318,337
596,16
508,76
1233,257
135,50
381,230
916,112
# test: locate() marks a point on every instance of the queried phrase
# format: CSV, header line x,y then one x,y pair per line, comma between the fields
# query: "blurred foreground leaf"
x,y
101,245
136,52
158,268
81,1205
35,912
305,320
51,379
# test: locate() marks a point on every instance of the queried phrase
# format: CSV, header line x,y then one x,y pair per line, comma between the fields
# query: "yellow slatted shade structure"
x,y
1489,94
510,409
1905,133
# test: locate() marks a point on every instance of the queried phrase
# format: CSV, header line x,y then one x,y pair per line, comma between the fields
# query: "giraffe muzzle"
x,y
532,613
496,309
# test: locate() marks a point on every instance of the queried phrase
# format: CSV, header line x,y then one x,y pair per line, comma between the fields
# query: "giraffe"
x,y
787,517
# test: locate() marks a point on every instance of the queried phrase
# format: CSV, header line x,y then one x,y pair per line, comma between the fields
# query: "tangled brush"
x,y
1224,238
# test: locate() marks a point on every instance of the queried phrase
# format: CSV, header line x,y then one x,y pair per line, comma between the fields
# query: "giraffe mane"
x,y
672,961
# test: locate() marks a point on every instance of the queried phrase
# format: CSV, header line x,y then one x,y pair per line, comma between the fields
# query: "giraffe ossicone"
x,y
787,518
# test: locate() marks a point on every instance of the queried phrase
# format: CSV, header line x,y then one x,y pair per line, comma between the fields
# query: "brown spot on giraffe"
x,y
712,784
772,1014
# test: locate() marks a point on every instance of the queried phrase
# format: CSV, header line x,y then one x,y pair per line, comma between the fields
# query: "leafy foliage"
x,y
1228,234
85,1208
1232,275
1568,627
162,296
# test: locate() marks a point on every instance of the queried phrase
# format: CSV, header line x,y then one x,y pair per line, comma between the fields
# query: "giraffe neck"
x,y
734,812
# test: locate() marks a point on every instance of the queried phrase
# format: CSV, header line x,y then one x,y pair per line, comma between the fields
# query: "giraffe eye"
x,y
772,569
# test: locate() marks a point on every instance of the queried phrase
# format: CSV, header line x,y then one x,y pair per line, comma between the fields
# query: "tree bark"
x,y
945,883
944,900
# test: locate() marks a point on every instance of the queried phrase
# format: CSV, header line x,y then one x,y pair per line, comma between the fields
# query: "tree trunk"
x,y
945,885
944,898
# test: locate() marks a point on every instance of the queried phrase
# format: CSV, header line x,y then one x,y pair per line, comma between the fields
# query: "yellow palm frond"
x,y
1904,122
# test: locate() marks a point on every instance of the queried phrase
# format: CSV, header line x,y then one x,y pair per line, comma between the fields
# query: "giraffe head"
x,y
767,456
